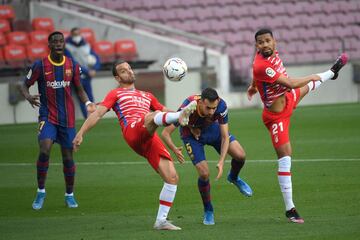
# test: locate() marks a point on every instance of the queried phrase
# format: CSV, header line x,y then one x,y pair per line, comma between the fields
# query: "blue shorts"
x,y
62,135
209,136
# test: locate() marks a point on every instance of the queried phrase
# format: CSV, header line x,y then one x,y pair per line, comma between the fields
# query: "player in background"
x,y
54,76
208,125
81,51
138,125
280,94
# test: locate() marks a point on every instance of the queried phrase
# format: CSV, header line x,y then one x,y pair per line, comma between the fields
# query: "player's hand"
x,y
179,155
220,167
251,91
76,142
34,100
196,132
92,73
91,108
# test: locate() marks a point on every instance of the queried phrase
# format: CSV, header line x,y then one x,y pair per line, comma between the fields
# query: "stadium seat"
x,y
89,35
18,38
15,55
39,37
43,24
105,50
36,51
4,26
7,12
2,39
126,50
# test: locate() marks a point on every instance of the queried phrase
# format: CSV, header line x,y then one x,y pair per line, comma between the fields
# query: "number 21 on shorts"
x,y
275,129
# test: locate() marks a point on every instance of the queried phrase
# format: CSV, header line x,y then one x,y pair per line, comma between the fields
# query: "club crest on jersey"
x,y
270,72
68,72
60,84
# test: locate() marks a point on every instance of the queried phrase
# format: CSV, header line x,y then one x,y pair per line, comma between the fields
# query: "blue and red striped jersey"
x,y
54,85
198,121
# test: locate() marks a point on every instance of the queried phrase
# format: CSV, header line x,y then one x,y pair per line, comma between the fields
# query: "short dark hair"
x,y
209,94
54,33
263,31
114,72
74,29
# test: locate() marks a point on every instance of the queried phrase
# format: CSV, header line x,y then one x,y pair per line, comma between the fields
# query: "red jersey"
x,y
130,105
265,73
54,83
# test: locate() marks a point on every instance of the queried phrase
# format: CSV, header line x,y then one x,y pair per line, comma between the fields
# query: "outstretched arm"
x,y
90,106
225,142
90,122
252,90
166,135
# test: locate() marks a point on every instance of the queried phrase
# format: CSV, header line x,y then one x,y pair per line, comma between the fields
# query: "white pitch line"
x,y
210,161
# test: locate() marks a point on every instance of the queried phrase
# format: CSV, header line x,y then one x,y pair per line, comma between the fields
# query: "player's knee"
x,y
172,179
204,175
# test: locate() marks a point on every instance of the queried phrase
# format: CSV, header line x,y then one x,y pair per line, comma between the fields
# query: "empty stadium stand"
x,y
307,31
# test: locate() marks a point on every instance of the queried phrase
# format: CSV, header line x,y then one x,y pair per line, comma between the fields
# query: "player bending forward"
x,y
280,95
138,126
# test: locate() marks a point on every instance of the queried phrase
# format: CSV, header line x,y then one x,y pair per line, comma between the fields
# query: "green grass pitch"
x,y
118,200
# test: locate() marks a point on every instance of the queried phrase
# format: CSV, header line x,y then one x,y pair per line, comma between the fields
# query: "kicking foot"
x,y
165,225
339,63
243,187
186,112
294,216
39,200
208,218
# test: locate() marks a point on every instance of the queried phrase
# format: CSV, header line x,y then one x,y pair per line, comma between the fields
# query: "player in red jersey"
x,y
54,75
280,94
138,125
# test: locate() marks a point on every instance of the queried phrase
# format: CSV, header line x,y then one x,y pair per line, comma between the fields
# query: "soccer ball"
x,y
175,69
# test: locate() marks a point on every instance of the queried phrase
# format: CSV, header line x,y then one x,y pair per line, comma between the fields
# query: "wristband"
x,y
88,102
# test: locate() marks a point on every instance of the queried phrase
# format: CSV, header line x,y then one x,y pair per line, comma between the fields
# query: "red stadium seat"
x,y
126,50
39,37
18,38
4,26
2,39
37,51
105,50
15,55
6,12
89,35
43,24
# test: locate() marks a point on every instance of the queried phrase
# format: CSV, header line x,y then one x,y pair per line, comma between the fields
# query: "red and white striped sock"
x,y
166,198
166,118
284,177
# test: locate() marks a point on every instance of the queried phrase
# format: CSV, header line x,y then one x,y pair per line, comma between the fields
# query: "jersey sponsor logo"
x,y
270,72
28,76
55,85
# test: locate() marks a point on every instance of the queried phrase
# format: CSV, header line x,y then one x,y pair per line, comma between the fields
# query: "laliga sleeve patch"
x,y
28,76
270,72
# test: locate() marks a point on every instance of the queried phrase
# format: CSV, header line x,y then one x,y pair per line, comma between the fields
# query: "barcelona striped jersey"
x,y
54,85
